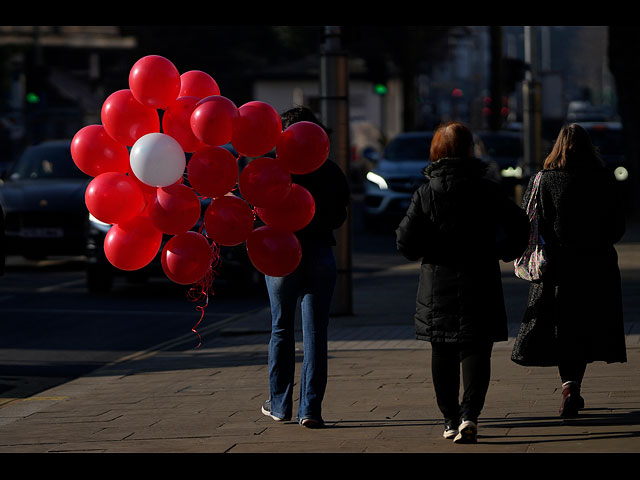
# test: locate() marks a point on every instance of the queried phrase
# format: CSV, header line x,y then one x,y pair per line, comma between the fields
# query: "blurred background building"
x,y
54,79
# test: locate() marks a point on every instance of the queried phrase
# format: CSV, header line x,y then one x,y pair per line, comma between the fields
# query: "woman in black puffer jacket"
x,y
460,224
574,315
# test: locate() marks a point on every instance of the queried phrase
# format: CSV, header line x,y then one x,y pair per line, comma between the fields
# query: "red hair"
x,y
451,140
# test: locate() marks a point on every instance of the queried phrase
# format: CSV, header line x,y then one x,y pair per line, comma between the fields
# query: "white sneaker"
x,y
467,432
266,410
450,430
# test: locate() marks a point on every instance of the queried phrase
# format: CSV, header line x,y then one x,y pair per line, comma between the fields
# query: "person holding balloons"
x,y
312,282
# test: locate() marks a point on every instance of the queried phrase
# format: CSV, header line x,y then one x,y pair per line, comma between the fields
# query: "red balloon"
x,y
257,129
213,171
154,81
175,209
303,147
126,120
94,152
273,251
228,220
212,120
114,197
176,122
264,182
294,213
196,83
186,258
132,245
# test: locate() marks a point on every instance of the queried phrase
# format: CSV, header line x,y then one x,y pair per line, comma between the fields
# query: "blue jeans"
x,y
313,282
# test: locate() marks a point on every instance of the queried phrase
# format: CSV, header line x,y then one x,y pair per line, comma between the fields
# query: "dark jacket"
x,y
579,299
461,224
3,251
330,190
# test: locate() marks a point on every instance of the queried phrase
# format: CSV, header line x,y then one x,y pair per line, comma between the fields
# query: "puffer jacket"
x,y
461,224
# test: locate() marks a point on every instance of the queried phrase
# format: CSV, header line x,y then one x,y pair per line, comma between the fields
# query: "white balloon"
x,y
157,160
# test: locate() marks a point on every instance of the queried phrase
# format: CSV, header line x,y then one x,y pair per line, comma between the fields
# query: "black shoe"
x,y
266,409
572,402
467,432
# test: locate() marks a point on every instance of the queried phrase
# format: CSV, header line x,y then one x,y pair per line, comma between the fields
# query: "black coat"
x,y
579,301
330,190
461,224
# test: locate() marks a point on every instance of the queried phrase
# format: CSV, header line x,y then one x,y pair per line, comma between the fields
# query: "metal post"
x,y
531,95
495,118
334,109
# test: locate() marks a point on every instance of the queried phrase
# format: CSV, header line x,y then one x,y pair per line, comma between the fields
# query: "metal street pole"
x,y
531,95
334,109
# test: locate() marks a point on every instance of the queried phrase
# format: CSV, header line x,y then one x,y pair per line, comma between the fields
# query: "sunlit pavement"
x,y
179,398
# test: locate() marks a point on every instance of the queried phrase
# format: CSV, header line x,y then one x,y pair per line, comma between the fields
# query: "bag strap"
x,y
532,205
532,210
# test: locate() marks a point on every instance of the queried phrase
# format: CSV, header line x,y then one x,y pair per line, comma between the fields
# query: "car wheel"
x,y
99,279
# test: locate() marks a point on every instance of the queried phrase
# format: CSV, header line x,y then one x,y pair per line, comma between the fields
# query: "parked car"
x,y
42,195
506,148
398,174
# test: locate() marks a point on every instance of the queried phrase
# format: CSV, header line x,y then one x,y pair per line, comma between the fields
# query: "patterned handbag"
x,y
533,262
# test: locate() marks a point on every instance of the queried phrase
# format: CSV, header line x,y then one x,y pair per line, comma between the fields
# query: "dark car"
x,y
43,200
506,148
398,174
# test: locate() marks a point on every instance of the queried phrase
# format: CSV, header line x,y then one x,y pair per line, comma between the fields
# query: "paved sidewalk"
x,y
180,399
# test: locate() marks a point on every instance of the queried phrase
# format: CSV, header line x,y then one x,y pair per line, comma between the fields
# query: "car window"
x,y
46,162
408,148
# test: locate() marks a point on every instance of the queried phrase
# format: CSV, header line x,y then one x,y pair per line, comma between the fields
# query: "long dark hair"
x,y
573,149
301,114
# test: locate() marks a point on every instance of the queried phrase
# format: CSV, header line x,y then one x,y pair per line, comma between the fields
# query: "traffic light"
x,y
36,84
32,98
380,88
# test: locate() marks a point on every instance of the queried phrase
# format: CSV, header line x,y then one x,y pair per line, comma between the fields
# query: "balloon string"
x,y
196,325
203,288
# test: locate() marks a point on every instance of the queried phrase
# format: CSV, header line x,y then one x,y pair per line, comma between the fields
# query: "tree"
x,y
405,48
230,53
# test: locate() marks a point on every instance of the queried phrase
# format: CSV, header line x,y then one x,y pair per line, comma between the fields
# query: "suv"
x,y
398,174
390,185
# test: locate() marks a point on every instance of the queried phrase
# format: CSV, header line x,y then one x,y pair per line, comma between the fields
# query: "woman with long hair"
x,y
574,314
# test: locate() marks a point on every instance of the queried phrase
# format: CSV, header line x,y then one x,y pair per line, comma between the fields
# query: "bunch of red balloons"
x,y
145,188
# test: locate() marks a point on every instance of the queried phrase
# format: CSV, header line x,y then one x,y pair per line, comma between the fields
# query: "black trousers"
x,y
572,370
475,360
